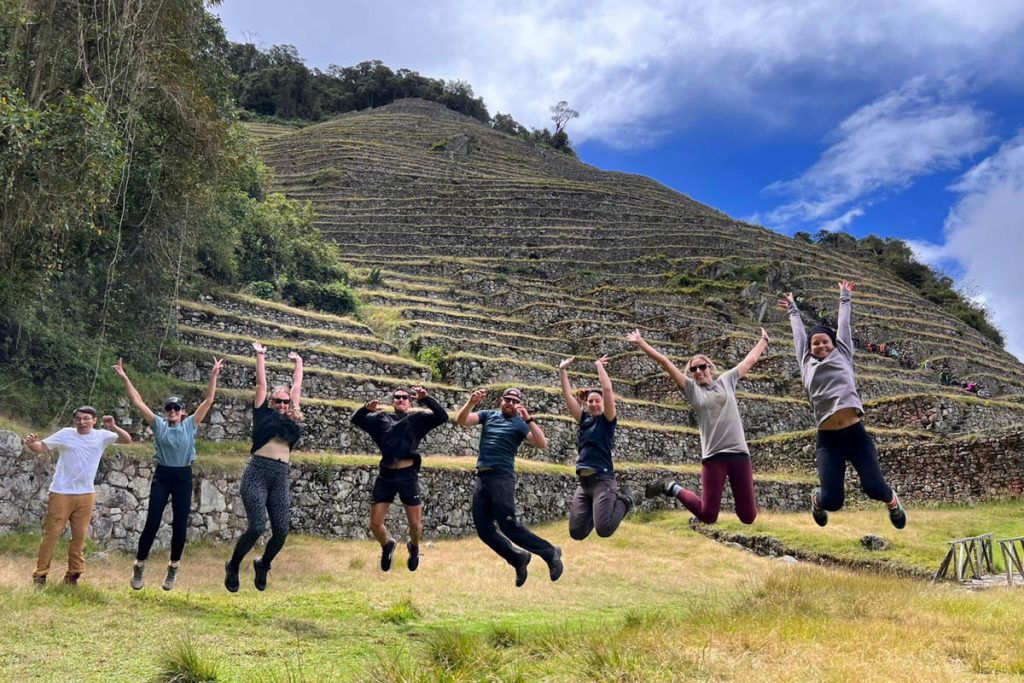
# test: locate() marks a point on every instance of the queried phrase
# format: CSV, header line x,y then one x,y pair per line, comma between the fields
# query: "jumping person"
x,y
398,437
598,504
723,445
71,492
826,367
264,488
175,439
494,503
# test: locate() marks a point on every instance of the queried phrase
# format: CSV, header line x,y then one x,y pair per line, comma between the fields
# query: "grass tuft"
x,y
182,662
402,612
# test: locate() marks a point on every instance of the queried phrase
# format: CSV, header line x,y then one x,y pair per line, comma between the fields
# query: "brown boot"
x,y
71,579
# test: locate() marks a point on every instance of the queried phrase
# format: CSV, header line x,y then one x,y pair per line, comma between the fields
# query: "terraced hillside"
x,y
502,258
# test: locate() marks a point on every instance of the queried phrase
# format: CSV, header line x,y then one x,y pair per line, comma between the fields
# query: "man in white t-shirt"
x,y
71,492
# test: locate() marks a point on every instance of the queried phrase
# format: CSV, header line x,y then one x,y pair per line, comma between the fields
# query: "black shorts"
x,y
405,482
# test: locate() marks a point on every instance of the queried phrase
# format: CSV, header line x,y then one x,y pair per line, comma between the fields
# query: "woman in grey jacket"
x,y
826,368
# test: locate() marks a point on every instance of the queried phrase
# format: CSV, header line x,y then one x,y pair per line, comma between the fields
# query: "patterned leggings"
x,y
264,492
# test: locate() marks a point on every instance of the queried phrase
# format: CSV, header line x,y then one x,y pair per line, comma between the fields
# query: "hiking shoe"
x,y
172,576
138,576
659,487
414,556
555,564
387,553
521,569
897,515
39,581
260,580
632,498
71,579
230,577
820,515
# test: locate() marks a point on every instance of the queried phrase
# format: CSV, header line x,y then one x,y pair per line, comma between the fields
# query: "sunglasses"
x,y
172,409
699,367
509,399
401,397
285,401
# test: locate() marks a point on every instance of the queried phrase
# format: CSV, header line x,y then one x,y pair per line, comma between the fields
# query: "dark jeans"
x,y
713,473
494,508
174,483
264,490
596,505
835,448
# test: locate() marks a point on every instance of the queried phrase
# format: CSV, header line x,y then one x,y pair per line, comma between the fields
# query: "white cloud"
x,y
636,70
882,147
843,221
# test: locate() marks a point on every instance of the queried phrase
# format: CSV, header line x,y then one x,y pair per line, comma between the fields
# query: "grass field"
x,y
656,602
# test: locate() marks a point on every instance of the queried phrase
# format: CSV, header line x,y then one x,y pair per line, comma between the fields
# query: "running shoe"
x,y
414,556
659,487
521,573
230,577
172,576
387,553
897,515
260,580
820,515
555,564
138,576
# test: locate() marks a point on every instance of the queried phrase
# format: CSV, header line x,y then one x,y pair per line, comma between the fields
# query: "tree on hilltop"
x,y
561,114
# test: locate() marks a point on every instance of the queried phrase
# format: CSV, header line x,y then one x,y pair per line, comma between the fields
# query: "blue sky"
x,y
900,119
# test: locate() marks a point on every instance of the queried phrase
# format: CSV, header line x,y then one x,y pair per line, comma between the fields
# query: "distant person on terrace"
x,y
723,445
494,501
72,494
826,367
174,436
598,504
398,436
264,488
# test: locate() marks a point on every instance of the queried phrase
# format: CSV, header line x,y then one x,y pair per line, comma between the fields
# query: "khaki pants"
x,y
63,508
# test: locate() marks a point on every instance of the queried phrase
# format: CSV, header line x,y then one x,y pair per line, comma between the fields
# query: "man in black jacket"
x,y
398,436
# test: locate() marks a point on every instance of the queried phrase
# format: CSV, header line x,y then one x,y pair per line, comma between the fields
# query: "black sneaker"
x,y
230,577
387,552
897,515
260,580
555,564
820,515
71,579
172,576
39,581
521,573
138,576
414,556
659,487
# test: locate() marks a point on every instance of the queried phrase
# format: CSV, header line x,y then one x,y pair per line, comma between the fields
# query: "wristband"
x,y
529,421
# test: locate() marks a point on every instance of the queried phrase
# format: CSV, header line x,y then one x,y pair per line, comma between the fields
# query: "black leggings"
x,y
835,448
494,508
264,491
174,483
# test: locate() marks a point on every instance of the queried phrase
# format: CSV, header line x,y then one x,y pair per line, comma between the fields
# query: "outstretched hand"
x,y
218,364
258,348
764,335
602,361
108,421
566,363
785,302
477,396
634,337
419,393
847,286
119,369
373,406
294,357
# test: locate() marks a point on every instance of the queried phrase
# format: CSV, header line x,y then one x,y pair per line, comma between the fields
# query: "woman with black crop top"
x,y
599,503
264,488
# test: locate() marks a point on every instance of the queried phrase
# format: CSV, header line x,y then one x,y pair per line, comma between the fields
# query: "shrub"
x,y
326,175
332,297
434,358
263,289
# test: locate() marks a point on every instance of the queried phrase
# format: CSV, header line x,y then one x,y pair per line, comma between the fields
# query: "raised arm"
x,y
296,394
261,374
536,436
571,404
133,394
438,415
788,304
110,423
675,373
606,387
211,391
35,444
466,417
755,353
844,332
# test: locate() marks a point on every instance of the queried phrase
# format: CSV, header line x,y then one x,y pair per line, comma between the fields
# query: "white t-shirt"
x,y
79,458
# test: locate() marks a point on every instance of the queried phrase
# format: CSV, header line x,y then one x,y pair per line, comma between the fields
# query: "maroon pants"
x,y
712,483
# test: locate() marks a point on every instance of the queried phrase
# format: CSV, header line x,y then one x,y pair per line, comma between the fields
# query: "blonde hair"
x,y
293,413
700,356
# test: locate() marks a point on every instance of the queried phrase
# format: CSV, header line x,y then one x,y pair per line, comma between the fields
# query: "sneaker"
x,y
260,580
138,576
71,579
414,556
172,576
521,569
387,552
632,498
659,487
39,581
555,564
230,577
820,515
897,515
